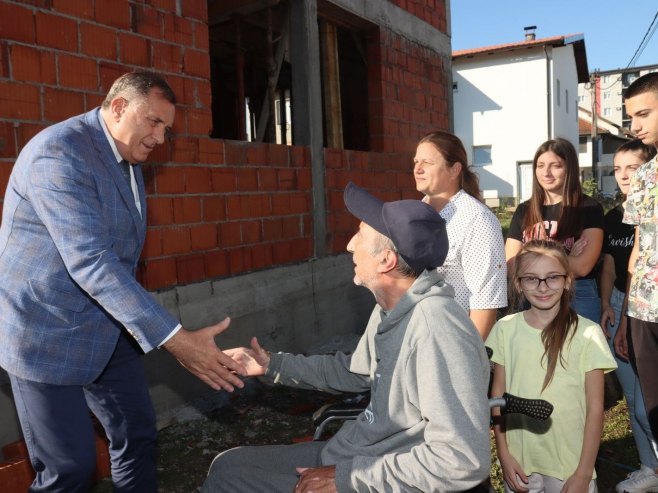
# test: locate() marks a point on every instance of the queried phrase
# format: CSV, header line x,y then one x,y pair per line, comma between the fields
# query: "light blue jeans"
x,y
586,300
646,447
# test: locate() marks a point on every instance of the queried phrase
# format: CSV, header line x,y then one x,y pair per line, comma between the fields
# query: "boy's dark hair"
x,y
647,152
646,83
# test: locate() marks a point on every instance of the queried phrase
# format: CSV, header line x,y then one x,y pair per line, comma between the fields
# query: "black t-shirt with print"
x,y
592,218
618,242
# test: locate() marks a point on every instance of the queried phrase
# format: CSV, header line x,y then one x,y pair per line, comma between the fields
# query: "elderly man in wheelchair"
x,y
426,427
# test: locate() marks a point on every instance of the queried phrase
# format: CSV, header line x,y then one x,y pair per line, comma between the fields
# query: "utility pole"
x,y
593,79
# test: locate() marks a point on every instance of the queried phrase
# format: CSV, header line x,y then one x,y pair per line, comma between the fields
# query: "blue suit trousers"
x,y
58,427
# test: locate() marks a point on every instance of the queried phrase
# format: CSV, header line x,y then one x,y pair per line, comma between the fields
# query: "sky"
x,y
613,29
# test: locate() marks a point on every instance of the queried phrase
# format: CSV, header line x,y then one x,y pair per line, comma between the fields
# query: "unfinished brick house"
x,y
282,102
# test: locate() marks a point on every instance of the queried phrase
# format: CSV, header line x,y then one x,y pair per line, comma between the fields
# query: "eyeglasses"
x,y
555,281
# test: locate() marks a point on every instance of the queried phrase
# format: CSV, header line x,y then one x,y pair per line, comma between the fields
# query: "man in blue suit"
x,y
73,319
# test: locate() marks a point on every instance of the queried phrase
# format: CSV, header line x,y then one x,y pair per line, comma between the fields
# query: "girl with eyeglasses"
x,y
549,352
559,210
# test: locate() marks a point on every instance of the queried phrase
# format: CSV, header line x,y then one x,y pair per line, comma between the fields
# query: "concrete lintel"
x,y
399,21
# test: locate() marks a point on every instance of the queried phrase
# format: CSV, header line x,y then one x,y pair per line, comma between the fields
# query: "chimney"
x,y
530,33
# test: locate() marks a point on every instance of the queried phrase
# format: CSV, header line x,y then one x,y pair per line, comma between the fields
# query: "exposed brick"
x,y
235,152
167,57
197,63
160,211
133,49
30,64
281,253
184,89
211,151
287,179
229,234
187,210
4,60
214,208
178,30
198,180
261,256
204,237
277,155
267,179
16,475
109,72
291,227
197,9
247,206
204,93
272,229
159,273
25,132
153,243
190,269
184,150
20,101
201,39
236,261
59,105
256,153
55,31
147,21
77,72
103,468
22,25
170,179
304,179
7,141
98,41
301,249
83,9
247,179
251,232
113,13
199,121
175,240
224,180
167,5
299,156
15,449
93,100
216,264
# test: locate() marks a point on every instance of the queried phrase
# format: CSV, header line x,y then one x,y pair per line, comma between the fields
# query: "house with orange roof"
x,y
508,99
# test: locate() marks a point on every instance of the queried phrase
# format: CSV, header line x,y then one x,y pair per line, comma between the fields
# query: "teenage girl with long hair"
x,y
549,352
558,210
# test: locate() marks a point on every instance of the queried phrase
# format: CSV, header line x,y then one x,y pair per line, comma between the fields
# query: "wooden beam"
x,y
331,87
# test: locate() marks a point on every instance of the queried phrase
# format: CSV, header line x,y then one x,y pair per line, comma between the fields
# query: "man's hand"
x,y
255,360
198,353
316,480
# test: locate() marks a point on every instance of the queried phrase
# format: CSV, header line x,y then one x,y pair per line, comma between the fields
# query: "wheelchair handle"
x,y
511,404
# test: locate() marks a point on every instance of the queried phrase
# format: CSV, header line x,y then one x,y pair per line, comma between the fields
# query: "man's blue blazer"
x,y
70,240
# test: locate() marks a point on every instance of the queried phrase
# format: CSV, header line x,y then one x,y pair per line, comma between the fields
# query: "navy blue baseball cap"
x,y
414,227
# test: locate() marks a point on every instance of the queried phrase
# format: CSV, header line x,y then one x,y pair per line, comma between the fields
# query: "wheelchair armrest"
x,y
333,412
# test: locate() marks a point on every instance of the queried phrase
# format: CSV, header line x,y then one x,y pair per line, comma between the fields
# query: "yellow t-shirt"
x,y
550,447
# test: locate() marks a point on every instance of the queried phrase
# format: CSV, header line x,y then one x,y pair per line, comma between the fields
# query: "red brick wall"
x,y
215,207
431,11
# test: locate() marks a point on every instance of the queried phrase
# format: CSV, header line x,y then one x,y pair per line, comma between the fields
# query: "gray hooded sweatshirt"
x,y
426,428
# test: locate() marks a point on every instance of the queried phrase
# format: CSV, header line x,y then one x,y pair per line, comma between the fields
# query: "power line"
x,y
640,49
645,40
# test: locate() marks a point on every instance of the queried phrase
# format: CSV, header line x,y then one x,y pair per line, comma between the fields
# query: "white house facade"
x,y
508,99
